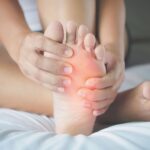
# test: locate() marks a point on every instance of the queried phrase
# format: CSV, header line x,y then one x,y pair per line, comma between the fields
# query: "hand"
x,y
105,88
49,72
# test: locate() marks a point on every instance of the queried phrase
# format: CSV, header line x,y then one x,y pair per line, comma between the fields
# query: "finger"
x,y
50,87
96,95
53,66
46,78
99,83
101,104
108,80
54,80
42,43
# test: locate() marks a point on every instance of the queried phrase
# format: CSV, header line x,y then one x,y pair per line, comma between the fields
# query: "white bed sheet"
x,y
26,131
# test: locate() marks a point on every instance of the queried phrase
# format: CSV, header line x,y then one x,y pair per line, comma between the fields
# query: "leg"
x,y
131,105
80,11
18,92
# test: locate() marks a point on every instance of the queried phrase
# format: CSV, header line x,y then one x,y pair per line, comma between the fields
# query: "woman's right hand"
x,y
48,71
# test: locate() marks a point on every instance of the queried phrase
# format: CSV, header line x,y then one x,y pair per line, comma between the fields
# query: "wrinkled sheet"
x,y
26,131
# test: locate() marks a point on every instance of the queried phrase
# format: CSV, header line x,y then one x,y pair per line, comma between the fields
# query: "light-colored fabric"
x,y
26,131
29,8
136,75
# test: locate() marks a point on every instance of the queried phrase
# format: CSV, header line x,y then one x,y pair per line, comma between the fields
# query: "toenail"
x,y
68,70
67,82
68,52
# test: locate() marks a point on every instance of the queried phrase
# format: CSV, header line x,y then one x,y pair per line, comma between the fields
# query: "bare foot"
x,y
131,105
70,115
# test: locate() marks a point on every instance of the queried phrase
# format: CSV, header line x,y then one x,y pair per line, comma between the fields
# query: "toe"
x,y
71,29
82,31
146,90
55,31
89,42
100,52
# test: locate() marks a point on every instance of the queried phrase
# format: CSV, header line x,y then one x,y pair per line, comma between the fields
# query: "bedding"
x,y
26,131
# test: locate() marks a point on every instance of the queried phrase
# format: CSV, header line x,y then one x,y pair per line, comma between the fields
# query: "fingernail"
x,y
68,70
97,113
67,82
81,93
68,52
61,89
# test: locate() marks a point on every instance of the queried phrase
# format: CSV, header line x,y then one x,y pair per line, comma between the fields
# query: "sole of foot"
x,y
70,115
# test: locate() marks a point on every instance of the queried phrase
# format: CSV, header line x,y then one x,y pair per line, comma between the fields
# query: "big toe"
x,y
55,31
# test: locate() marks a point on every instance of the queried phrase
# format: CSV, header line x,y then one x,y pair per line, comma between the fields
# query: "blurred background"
x,y
138,22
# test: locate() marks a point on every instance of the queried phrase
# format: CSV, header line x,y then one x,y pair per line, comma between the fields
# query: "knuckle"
x,y
40,40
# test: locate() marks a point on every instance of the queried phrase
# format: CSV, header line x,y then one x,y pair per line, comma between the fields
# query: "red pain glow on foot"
x,y
85,66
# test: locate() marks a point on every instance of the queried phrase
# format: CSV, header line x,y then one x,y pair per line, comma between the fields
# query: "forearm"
x,y
79,11
112,25
12,27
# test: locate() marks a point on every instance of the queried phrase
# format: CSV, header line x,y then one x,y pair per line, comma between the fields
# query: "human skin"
x,y
136,106
111,34
21,101
69,114
27,52
26,47
12,80
112,37
76,11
